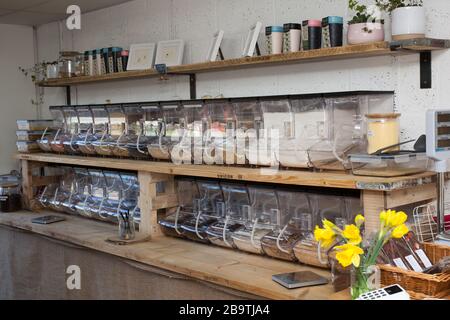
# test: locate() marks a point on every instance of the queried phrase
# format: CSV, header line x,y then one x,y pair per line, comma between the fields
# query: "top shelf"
x,y
326,54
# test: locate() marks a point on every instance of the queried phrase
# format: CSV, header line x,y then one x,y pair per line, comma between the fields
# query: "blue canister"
x,y
332,31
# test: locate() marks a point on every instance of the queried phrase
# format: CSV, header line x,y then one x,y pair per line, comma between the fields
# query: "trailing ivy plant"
x,y
37,73
391,5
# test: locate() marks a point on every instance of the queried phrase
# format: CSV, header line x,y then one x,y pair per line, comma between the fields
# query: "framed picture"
x,y
170,53
141,56
252,40
215,46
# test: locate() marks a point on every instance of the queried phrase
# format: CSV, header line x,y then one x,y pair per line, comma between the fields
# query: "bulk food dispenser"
x,y
171,133
86,130
73,123
187,191
84,185
152,127
205,211
50,143
126,145
277,124
346,129
308,127
220,143
190,148
93,203
106,130
248,125
290,224
231,214
112,205
262,217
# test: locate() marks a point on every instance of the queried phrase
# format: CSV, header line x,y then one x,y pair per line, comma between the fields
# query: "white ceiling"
x,y
37,12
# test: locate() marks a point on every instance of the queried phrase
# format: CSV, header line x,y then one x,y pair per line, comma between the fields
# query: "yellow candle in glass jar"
x,y
383,130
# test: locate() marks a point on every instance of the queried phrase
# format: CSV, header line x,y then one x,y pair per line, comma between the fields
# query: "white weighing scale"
x,y
438,148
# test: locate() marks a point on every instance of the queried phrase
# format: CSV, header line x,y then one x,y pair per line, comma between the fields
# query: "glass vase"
x,y
363,280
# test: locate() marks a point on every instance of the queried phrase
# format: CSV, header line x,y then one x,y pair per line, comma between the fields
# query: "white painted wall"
x,y
196,20
16,91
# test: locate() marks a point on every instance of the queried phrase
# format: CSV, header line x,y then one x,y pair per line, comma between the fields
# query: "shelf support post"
x,y
193,86
68,96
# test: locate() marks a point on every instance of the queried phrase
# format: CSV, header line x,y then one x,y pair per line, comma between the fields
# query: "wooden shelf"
x,y
240,271
325,54
291,177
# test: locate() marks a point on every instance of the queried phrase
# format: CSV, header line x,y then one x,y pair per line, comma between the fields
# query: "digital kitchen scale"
x,y
438,148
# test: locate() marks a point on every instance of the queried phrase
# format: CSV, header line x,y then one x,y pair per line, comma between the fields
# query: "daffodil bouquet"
x,y
349,247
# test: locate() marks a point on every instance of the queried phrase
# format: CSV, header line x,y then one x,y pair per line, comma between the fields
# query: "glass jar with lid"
x,y
187,191
86,134
205,211
262,217
383,130
10,193
71,64
230,213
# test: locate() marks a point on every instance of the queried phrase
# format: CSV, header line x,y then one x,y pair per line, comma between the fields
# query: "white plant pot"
x,y
408,23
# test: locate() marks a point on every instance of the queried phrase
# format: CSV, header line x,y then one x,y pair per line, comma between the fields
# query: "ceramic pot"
x,y
360,33
408,23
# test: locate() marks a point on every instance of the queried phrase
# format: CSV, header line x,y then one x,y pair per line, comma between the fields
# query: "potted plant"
x,y
366,25
408,18
361,256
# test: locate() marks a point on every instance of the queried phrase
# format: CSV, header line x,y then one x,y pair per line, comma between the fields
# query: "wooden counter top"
x,y
291,177
240,271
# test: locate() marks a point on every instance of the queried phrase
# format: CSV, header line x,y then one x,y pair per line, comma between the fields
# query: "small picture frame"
x,y
141,56
170,53
252,40
214,48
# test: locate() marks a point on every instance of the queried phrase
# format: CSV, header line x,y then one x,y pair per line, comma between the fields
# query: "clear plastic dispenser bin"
x,y
63,191
152,127
345,135
72,135
231,214
262,217
389,165
126,144
309,127
130,196
277,125
205,211
109,125
83,186
112,204
94,202
87,135
248,124
171,133
189,150
220,144
290,225
45,142
187,191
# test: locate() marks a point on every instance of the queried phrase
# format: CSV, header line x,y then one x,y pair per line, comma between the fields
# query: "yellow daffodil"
x,y
392,218
325,236
352,234
359,220
349,254
400,231
328,224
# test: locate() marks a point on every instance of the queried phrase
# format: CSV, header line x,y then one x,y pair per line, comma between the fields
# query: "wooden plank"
x,y
290,177
27,183
373,202
404,197
43,181
149,215
229,268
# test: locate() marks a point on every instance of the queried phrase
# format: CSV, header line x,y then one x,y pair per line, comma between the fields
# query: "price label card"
x,y
423,257
399,263
413,263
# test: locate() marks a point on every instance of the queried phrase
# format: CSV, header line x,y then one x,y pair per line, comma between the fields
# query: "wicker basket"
x,y
420,285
